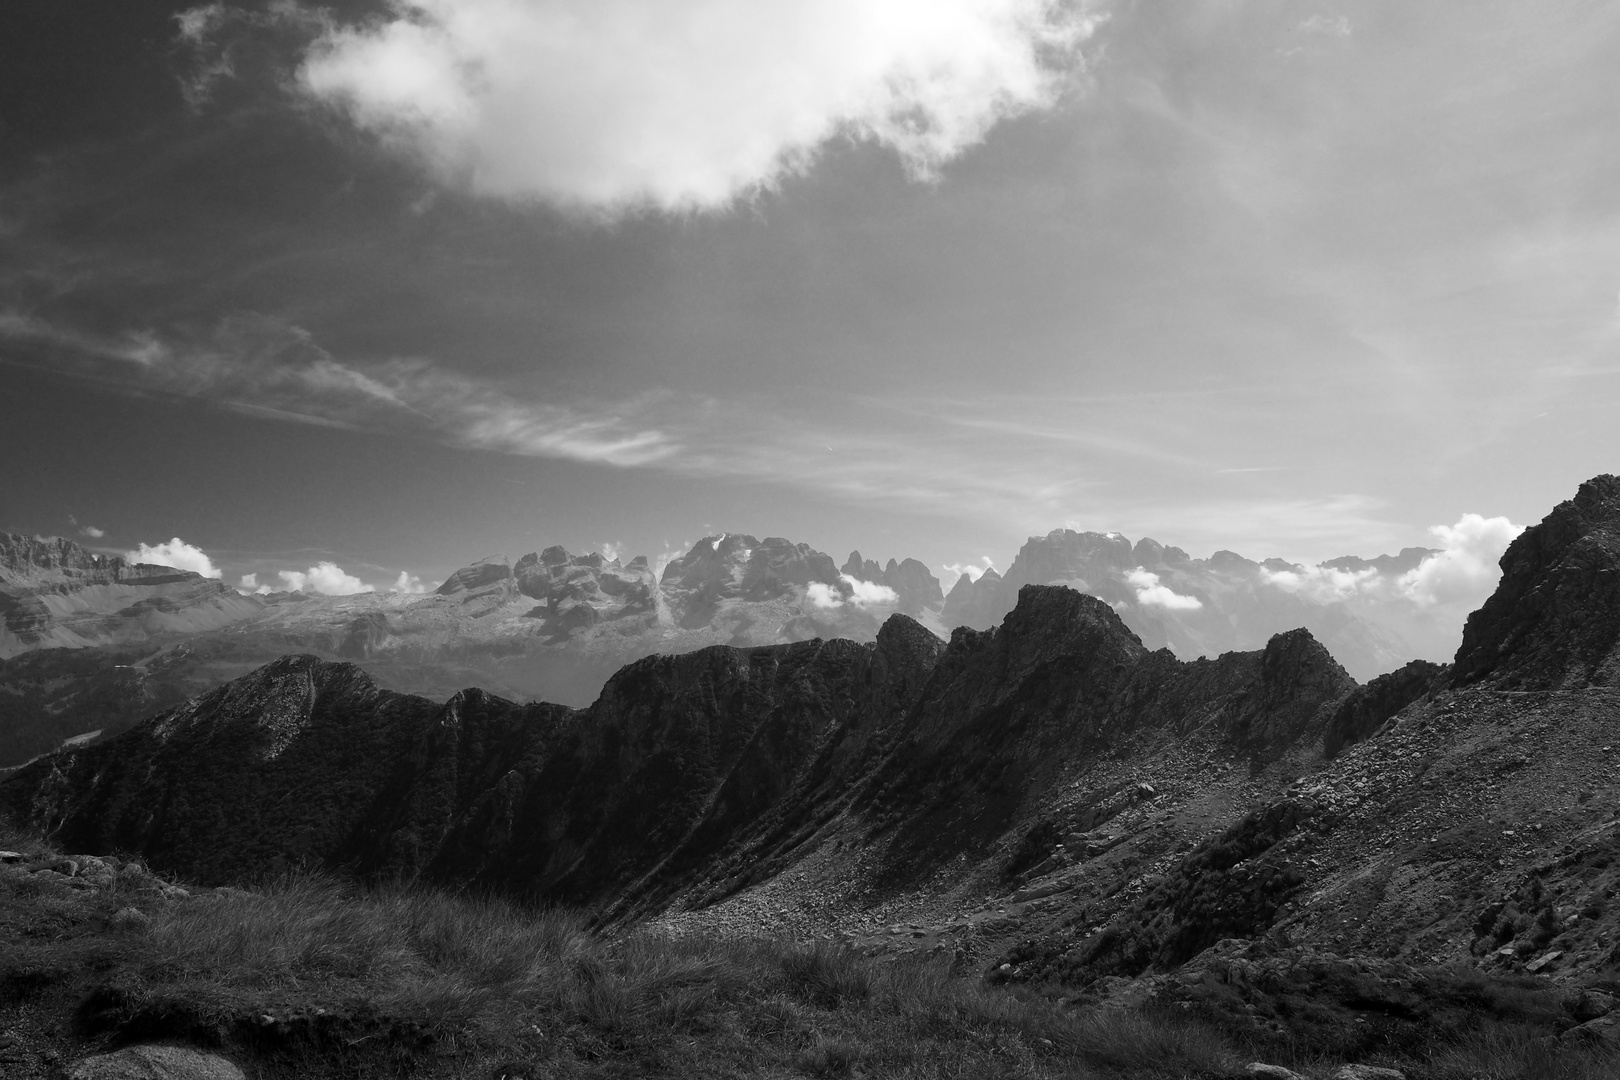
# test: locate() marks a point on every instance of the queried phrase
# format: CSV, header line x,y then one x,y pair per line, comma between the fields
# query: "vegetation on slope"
x,y
306,976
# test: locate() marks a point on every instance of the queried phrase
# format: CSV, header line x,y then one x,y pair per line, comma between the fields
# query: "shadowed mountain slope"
x,y
1472,820
691,775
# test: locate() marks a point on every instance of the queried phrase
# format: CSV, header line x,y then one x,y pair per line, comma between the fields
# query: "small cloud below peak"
x,y
1150,593
407,584
851,591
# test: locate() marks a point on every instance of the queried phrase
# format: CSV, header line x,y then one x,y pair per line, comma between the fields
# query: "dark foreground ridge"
x,y
704,772
1252,839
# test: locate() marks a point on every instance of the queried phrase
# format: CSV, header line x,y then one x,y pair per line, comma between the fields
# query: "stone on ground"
x,y
1367,1072
155,1063
1272,1072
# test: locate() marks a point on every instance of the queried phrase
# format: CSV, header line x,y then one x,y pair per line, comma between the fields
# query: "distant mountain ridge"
x,y
1192,606
554,625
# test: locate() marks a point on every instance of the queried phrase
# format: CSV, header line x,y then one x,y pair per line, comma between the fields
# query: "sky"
x,y
363,290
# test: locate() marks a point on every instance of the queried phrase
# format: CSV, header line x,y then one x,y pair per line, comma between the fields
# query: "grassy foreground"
x,y
308,977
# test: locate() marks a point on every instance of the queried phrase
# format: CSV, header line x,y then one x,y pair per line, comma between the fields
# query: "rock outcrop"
x,y
911,581
1554,621
494,570
1367,709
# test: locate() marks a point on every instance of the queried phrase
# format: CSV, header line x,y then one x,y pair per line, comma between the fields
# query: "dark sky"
x,y
400,288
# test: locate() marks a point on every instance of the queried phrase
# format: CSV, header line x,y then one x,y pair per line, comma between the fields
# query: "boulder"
x,y
1591,1004
1271,1072
1603,1031
152,1062
95,871
1543,961
130,920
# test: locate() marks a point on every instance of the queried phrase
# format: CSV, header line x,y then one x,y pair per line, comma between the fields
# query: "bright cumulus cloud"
x,y
608,104
1153,594
1466,568
849,590
407,584
176,553
1462,573
325,578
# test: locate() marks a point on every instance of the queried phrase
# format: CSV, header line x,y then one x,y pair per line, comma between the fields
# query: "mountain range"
x,y
1050,797
90,643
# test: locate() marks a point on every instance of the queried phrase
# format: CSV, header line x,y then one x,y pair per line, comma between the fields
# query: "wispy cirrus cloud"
x,y
1076,461
273,368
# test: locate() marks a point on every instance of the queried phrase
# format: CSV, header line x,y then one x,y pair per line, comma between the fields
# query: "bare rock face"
x,y
737,566
494,570
581,591
978,603
1367,708
54,593
1554,621
367,634
1297,677
911,581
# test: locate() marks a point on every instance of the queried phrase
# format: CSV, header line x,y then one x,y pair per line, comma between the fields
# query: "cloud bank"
x,y
851,591
176,553
1150,593
1462,573
1465,570
1324,584
325,578
610,104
